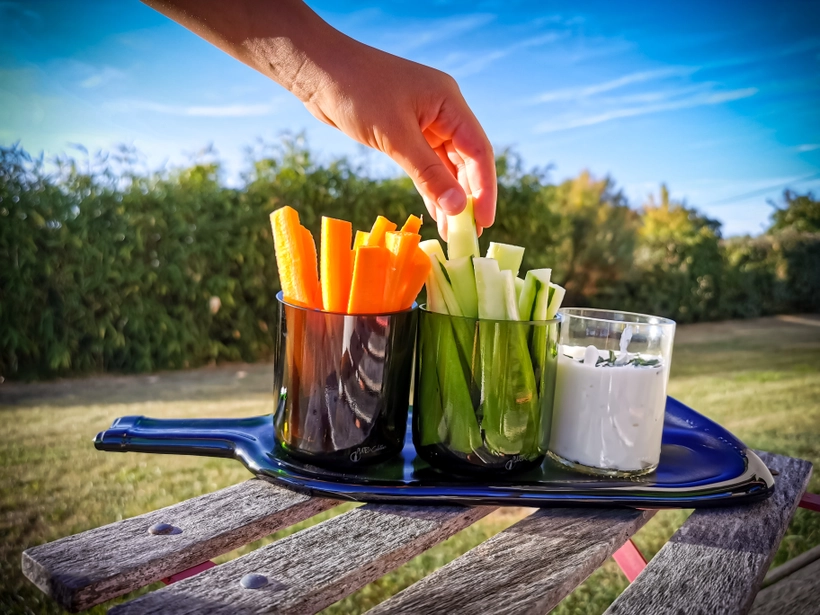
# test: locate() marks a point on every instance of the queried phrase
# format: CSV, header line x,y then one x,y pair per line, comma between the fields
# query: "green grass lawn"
x,y
759,378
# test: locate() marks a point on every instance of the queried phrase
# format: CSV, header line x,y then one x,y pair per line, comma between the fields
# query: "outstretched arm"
x,y
413,113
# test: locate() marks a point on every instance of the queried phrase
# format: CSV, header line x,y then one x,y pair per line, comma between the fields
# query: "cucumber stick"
x,y
435,299
510,300
519,286
432,427
533,302
459,416
462,329
556,296
446,407
432,248
543,352
452,360
509,257
462,237
489,283
509,406
462,278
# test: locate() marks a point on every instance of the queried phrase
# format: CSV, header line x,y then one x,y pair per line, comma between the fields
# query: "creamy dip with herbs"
x,y
609,407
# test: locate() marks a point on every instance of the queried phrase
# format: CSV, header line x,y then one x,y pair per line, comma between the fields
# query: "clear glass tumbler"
x,y
484,391
610,391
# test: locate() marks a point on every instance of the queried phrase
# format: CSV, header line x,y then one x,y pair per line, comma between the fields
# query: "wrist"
x,y
296,49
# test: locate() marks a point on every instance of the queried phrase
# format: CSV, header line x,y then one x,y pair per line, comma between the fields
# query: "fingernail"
x,y
452,201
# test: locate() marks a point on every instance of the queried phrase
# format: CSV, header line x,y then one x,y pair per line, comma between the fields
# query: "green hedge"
x,y
103,268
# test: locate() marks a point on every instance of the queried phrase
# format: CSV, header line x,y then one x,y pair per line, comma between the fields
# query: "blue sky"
x,y
720,100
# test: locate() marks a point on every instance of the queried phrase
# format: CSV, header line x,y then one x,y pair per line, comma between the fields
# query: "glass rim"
x,y
280,297
423,309
660,321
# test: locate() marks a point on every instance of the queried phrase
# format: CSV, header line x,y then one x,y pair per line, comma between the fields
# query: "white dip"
x,y
609,416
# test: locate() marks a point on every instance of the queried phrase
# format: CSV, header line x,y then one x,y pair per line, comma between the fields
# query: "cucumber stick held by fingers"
x,y
488,367
475,287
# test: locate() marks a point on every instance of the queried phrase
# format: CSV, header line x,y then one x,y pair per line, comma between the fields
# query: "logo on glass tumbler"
x,y
356,455
511,463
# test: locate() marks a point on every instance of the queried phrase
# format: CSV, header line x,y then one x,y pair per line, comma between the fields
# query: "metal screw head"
x,y
253,581
163,529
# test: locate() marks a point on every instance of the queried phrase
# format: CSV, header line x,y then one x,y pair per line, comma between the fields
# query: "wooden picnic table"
x,y
715,563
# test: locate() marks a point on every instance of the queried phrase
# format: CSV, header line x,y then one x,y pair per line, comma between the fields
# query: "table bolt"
x,y
253,581
163,529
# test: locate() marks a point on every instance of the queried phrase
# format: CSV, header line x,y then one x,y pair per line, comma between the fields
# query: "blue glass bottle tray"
x,y
701,464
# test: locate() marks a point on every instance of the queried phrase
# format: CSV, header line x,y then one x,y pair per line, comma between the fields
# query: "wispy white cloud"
x,y
698,100
561,20
587,91
479,63
807,147
101,76
404,40
234,110
805,45
654,96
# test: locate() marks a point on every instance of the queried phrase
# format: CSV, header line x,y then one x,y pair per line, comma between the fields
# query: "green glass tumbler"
x,y
483,392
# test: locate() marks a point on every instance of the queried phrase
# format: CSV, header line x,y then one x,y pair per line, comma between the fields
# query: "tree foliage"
x,y
103,268
799,212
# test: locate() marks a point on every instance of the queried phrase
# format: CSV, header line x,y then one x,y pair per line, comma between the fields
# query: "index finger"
x,y
471,143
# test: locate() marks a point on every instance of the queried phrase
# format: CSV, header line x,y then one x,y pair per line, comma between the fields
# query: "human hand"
x,y
418,117
413,113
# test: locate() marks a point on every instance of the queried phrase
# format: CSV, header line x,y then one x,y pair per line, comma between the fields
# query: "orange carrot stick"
x,y
369,275
381,226
290,245
361,237
336,263
401,247
412,225
415,275
311,269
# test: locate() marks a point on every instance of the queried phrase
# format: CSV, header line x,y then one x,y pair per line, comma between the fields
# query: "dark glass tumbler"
x,y
342,384
484,392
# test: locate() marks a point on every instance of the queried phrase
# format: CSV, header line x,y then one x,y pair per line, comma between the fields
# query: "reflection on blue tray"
x,y
702,464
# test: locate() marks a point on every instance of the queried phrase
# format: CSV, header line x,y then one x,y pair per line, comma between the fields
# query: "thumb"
x,y
432,178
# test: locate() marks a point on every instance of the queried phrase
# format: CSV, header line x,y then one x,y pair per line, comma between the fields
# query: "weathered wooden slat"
x,y
528,568
89,568
717,559
797,593
793,565
314,568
